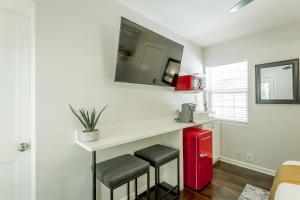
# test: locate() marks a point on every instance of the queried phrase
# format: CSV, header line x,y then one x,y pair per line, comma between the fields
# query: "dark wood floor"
x,y
227,184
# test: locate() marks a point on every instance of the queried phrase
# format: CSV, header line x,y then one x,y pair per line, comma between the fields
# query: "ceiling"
x,y
209,22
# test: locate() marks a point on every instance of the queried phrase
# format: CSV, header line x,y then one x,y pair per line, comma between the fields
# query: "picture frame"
x,y
277,82
171,73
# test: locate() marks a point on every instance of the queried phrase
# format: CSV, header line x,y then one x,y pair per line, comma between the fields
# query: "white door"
x,y
15,99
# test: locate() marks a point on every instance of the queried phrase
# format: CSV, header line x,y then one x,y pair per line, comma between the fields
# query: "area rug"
x,y
254,193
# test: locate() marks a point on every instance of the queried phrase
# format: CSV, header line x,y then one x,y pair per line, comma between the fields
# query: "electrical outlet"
x,y
249,157
238,156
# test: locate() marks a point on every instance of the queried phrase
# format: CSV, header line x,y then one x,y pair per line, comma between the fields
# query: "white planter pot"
x,y
88,136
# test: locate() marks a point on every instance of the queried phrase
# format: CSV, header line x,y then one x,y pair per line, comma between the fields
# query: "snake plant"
x,y
88,119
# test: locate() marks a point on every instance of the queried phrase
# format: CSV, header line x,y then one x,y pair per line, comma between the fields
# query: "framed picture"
x,y
277,82
171,72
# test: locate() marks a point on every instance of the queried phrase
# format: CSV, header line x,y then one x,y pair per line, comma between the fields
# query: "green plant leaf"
x,y
88,120
88,117
99,116
93,114
81,121
85,119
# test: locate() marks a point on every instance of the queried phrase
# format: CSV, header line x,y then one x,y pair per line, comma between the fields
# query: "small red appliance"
x,y
197,152
189,83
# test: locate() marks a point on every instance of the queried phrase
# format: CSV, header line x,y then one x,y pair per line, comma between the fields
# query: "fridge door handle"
x,y
206,138
202,155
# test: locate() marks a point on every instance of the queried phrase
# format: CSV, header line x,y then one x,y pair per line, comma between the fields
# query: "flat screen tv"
x,y
145,57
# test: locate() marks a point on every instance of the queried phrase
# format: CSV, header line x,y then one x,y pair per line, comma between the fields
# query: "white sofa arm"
x,y
292,162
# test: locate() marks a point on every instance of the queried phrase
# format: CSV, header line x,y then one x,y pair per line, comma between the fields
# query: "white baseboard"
x,y
248,166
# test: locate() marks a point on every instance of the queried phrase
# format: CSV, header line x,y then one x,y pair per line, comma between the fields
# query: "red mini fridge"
x,y
198,162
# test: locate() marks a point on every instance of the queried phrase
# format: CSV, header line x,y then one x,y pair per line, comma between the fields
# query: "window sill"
x,y
234,122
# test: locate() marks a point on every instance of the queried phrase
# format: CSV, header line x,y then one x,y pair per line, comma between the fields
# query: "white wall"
x,y
76,52
273,131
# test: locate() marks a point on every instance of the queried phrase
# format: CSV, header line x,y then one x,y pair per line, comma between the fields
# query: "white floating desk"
x,y
133,131
129,132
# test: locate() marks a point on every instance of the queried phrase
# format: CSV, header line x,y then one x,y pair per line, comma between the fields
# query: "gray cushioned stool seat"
x,y
157,155
120,170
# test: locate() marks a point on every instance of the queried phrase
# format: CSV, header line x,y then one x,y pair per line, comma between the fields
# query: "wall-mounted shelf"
x,y
190,91
200,75
194,83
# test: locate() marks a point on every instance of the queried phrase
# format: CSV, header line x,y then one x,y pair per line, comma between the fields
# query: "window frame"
x,y
209,93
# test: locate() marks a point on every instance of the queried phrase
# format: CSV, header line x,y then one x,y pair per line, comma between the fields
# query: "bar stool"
x,y
158,155
118,171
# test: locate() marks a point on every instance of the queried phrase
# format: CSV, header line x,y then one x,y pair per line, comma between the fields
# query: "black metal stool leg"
x,y
148,185
111,194
135,184
158,175
128,190
155,187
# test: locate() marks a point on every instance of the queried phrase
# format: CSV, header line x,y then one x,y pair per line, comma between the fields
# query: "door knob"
x,y
23,147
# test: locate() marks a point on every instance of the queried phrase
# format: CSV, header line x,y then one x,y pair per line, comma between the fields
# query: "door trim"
x,y
33,100
32,15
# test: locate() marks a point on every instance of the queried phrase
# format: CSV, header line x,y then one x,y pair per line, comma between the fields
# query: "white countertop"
x,y
133,131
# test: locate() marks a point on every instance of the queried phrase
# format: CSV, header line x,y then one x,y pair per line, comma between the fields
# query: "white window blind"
x,y
228,91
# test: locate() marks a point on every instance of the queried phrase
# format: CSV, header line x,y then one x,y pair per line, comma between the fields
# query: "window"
x,y
228,91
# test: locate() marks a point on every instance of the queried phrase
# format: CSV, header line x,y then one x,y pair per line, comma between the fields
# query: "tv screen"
x,y
145,57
